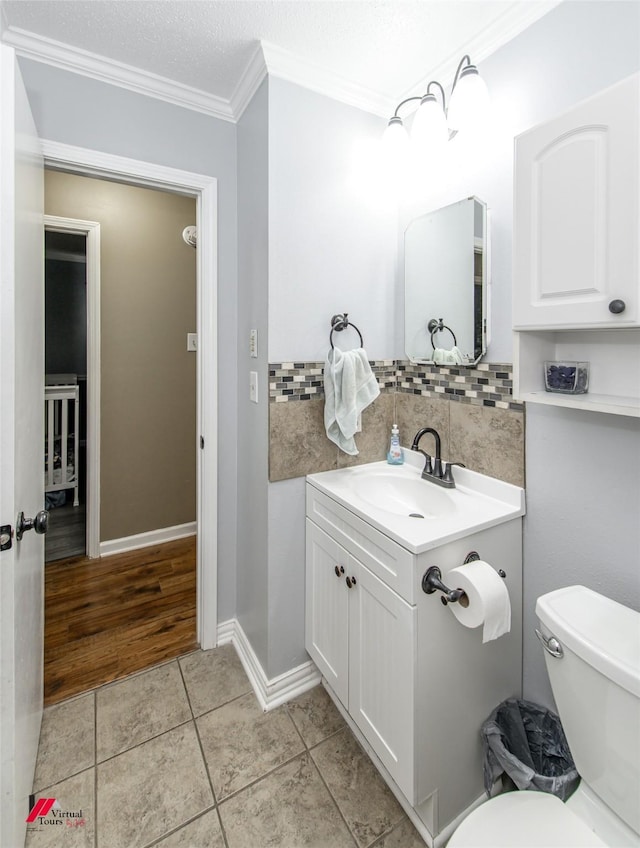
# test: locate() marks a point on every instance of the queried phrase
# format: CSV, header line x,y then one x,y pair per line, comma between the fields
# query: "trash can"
x,y
527,742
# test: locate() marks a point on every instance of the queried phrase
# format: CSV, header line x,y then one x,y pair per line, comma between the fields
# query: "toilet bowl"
x,y
592,653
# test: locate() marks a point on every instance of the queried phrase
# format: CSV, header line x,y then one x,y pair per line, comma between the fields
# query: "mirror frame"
x,y
480,343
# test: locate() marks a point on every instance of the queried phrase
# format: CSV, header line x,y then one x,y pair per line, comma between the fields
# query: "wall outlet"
x,y
192,341
253,344
253,386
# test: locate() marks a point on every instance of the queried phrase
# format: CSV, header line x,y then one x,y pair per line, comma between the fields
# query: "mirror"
x,y
445,272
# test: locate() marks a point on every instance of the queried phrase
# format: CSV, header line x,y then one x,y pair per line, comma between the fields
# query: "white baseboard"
x,y
145,540
270,693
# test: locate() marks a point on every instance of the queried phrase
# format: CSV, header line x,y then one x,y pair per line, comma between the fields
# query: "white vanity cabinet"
x,y
413,681
361,635
576,251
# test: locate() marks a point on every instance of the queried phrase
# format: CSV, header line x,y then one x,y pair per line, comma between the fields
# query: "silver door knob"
x,y
40,523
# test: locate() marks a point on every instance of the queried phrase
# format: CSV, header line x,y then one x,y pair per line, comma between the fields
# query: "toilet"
x,y
596,686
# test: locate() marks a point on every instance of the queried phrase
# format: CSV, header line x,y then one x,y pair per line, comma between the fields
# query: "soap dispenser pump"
x,y
395,456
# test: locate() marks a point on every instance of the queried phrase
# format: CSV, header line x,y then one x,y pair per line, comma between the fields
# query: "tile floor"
x,y
182,756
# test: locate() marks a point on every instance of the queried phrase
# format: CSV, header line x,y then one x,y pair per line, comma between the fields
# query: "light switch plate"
x,y
253,386
192,341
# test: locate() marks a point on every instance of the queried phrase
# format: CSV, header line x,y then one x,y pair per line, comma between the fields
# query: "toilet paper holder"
x,y
432,582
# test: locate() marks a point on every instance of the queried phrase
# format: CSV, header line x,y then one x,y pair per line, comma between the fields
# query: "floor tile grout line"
x,y
49,786
204,759
143,742
378,840
186,689
206,764
326,785
304,741
222,827
179,827
346,728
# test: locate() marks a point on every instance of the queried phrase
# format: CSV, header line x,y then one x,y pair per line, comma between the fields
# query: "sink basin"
x,y
417,513
388,489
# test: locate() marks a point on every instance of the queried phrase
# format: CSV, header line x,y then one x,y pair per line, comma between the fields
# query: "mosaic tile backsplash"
x,y
488,384
472,408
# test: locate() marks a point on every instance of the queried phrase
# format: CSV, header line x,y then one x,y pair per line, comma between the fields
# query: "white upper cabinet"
x,y
576,216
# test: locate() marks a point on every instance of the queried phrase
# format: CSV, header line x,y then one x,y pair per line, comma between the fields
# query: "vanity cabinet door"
x,y
382,652
576,216
327,609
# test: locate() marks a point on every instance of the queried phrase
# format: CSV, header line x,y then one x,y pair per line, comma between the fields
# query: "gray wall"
x,y
332,248
582,468
253,421
76,110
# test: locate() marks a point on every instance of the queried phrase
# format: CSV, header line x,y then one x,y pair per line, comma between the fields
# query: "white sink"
x,y
417,513
387,487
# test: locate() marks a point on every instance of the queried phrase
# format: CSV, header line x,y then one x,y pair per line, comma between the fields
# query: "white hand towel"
x,y
349,387
441,356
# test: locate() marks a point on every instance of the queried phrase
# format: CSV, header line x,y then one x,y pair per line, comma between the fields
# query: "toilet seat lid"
x,y
524,819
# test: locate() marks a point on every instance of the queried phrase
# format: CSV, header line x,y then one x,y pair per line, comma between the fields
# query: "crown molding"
x,y
250,81
268,59
68,58
293,68
511,23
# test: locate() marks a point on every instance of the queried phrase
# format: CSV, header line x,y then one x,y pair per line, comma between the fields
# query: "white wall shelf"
x,y
614,372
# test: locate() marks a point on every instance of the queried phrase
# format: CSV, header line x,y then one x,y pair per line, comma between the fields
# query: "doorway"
x,y
174,406
204,189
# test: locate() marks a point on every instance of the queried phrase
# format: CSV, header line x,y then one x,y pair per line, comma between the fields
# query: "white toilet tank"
x,y
596,686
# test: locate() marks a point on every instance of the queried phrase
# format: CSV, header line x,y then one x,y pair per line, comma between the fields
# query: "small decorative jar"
x,y
569,378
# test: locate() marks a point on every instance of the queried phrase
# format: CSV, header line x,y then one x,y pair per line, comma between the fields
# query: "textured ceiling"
x,y
386,46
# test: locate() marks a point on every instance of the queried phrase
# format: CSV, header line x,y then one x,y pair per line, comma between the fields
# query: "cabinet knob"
x,y
351,581
339,569
617,306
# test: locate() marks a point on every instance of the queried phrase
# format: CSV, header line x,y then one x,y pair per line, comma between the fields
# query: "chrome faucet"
x,y
433,469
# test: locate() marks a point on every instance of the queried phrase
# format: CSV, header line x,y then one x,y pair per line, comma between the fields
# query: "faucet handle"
x,y
428,465
448,473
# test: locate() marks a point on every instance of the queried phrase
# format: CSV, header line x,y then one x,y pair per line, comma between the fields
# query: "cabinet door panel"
x,y
381,687
577,215
327,610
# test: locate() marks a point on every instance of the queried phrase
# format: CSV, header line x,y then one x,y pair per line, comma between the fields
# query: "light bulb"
x,y
469,100
395,139
429,130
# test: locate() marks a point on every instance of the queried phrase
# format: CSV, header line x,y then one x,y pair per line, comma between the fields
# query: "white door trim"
x,y
205,189
91,229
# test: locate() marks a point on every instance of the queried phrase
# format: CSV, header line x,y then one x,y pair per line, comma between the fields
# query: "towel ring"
x,y
339,323
437,326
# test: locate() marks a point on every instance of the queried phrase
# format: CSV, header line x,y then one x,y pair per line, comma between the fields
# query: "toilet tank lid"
x,y
604,633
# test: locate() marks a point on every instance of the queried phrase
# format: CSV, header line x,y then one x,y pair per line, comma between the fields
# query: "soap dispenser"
x,y
395,456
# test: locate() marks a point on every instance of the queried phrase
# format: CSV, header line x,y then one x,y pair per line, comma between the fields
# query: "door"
x,y
576,215
21,447
327,610
382,651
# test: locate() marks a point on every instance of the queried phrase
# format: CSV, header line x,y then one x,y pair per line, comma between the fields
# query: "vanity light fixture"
x,y
434,124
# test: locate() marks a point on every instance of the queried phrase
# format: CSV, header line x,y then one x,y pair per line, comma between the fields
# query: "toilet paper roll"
x,y
488,598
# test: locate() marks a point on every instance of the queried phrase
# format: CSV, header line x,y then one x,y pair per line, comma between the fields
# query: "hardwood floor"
x,y
108,617
66,536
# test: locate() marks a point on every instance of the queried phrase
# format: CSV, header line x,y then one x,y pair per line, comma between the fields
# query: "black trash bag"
x,y
527,742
